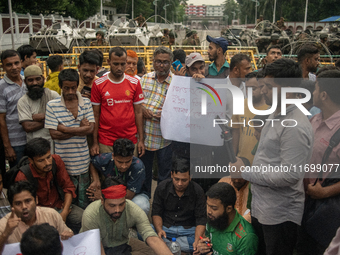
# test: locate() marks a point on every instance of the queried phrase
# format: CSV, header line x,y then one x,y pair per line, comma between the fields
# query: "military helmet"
x,y
323,35
274,37
100,33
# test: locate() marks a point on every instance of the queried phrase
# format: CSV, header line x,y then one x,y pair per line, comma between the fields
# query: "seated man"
x,y
41,164
227,231
41,239
113,215
123,164
178,208
25,213
241,187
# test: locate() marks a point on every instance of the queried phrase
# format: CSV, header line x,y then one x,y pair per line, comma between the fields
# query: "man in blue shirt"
x,y
219,68
130,169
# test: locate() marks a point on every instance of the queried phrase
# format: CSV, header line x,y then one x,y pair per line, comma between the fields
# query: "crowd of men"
x,y
82,146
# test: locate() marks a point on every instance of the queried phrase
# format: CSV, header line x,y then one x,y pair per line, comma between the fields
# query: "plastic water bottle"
x,y
174,247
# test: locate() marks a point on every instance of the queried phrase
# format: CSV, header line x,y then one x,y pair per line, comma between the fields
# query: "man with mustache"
x,y
155,86
117,105
219,68
12,88
70,119
227,231
113,215
131,64
32,106
49,184
25,213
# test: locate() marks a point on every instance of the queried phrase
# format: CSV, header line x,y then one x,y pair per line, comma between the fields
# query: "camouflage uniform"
x,y
140,21
280,24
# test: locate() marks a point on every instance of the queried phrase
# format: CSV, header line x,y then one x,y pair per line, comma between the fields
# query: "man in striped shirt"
x,y
70,119
12,88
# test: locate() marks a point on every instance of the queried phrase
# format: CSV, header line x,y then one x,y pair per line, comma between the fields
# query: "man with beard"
x,y
32,106
243,133
155,86
70,119
131,63
178,208
309,60
113,215
12,88
25,213
54,186
240,65
219,68
89,62
227,231
117,105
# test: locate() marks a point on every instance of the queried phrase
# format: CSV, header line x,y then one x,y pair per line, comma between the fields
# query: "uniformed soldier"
x,y
172,38
259,20
141,21
274,38
280,23
100,39
165,37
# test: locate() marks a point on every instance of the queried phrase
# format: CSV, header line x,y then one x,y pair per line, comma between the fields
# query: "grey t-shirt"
x,y
27,107
10,93
278,196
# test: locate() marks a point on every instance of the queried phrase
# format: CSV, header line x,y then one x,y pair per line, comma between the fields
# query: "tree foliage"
x,y
78,9
291,10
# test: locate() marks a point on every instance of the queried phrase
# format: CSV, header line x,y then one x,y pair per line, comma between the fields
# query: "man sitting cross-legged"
x,y
25,213
123,164
41,166
178,208
113,215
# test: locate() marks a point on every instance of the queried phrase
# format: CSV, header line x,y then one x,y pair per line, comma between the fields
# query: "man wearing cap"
x,y
131,64
274,40
219,68
100,39
113,215
32,106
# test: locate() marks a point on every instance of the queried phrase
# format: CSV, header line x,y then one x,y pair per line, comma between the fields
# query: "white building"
x,y
214,10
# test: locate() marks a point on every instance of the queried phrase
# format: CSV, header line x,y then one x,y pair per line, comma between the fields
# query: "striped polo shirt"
x,y
10,93
73,151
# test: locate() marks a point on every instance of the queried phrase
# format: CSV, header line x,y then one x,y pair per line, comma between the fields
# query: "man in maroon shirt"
x,y
40,157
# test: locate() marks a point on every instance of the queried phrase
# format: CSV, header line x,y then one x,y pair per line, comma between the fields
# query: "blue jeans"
x,y
19,152
142,200
185,237
164,160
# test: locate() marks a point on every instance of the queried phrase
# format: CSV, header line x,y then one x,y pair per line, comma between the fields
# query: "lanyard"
x,y
118,174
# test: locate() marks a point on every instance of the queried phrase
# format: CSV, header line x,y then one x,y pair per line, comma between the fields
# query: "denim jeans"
x,y
142,200
164,160
19,152
185,237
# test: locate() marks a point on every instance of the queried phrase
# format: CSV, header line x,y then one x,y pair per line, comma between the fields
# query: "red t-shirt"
x,y
116,100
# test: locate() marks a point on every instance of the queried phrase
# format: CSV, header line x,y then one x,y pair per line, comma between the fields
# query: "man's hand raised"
x,y
12,223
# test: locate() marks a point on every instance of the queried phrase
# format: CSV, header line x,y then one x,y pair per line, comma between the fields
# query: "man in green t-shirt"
x,y
114,215
227,232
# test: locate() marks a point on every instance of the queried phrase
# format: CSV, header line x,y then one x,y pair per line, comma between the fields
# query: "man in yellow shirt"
x,y
55,64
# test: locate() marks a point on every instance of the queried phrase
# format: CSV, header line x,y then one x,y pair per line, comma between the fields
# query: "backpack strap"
x,y
333,142
55,181
26,170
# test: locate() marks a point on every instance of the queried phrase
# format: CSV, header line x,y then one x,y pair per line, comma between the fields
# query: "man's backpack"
x,y
24,167
321,216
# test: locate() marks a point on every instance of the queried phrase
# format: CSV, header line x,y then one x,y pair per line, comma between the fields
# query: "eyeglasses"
x,y
164,63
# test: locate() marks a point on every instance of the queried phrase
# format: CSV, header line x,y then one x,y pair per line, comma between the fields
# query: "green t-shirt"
x,y
239,238
113,234
213,70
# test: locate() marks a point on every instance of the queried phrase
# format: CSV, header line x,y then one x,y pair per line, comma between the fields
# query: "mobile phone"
x,y
176,64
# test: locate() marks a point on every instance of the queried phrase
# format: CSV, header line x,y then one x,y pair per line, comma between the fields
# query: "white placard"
x,y
87,243
182,119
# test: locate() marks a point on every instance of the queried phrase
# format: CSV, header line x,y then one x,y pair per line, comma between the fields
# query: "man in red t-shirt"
x,y
117,106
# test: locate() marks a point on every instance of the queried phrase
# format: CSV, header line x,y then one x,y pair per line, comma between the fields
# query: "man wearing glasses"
x,y
155,86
